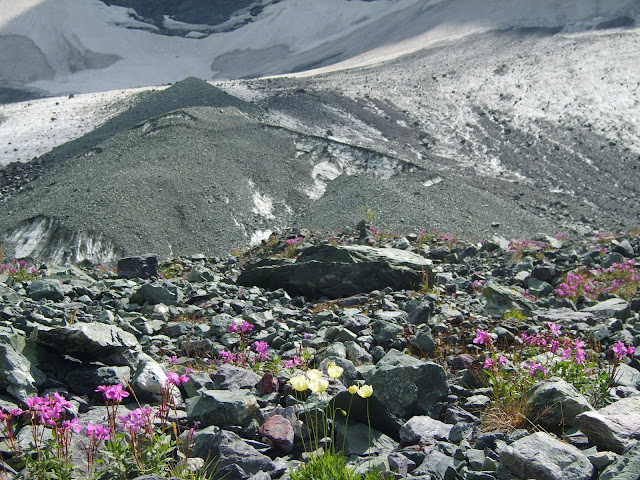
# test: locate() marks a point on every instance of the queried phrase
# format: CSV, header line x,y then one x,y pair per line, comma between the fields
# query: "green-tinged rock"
x,y
556,402
384,333
626,467
613,307
17,376
355,438
501,299
406,385
224,408
339,271
615,427
85,380
543,457
46,289
92,341
167,294
232,457
423,340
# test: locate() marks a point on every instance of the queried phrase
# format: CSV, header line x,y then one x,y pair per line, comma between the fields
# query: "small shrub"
x,y
19,270
510,372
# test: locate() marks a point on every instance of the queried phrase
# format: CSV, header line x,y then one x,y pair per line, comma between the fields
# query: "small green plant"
x,y
518,248
292,246
515,315
329,466
370,214
171,269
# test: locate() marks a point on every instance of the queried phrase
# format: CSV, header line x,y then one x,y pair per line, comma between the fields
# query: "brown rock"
x,y
268,384
279,430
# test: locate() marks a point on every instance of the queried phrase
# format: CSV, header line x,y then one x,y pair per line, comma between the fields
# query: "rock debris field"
x,y
496,360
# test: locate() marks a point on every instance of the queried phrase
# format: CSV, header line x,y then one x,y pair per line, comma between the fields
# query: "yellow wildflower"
x,y
365,391
299,383
314,374
353,389
319,385
333,370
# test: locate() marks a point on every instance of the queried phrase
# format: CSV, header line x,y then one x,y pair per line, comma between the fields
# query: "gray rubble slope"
x,y
204,179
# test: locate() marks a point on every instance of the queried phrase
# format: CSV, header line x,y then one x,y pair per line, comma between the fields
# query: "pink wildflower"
x,y
175,379
99,432
246,326
261,349
482,337
113,392
173,359
73,425
580,356
554,328
489,363
534,368
620,350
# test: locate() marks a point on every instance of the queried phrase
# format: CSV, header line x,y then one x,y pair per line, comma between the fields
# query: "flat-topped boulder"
x,y
339,271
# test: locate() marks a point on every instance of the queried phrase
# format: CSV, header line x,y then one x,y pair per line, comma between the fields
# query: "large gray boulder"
x,y
227,450
143,266
166,294
407,385
615,427
358,439
17,376
339,271
423,427
501,299
556,402
613,307
92,342
230,377
85,380
224,408
542,457
46,289
626,467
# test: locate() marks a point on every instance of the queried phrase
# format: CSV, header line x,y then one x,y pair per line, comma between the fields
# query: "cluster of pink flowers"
x,y
115,393
619,279
295,241
48,410
244,327
620,350
17,266
518,247
261,349
140,418
482,338
477,285
98,432
534,368
293,362
176,379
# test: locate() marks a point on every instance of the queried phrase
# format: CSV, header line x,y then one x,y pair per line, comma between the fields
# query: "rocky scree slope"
x,y
192,169
432,415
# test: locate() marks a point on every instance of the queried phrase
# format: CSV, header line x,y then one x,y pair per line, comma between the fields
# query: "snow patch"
x,y
433,181
259,235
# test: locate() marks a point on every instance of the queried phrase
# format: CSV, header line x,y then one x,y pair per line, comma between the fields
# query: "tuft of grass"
x,y
331,466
